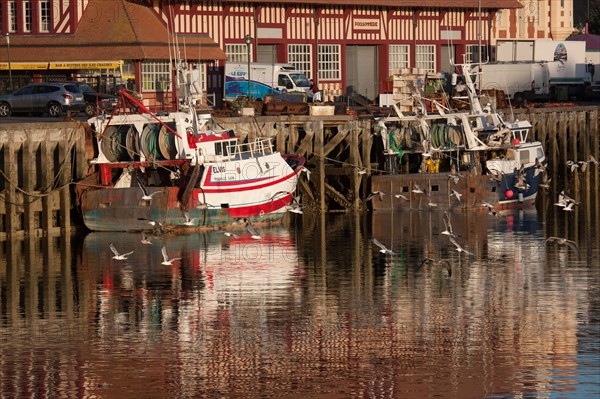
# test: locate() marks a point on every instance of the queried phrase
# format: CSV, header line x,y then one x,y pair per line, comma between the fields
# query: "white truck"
x,y
537,71
264,79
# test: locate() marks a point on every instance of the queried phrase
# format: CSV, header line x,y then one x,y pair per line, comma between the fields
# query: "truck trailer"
x,y
264,79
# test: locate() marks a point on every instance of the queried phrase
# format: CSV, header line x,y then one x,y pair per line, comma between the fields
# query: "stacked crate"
x,y
406,82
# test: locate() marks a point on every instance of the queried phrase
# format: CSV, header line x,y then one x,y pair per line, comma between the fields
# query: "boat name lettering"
x,y
218,169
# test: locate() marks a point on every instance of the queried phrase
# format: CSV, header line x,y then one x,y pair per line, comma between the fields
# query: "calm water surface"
x,y
311,310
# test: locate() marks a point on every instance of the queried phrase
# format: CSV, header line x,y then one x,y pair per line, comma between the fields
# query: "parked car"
x,y
52,98
592,92
95,101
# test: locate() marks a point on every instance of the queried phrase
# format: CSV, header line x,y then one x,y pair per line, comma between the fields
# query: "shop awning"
x,y
86,65
23,66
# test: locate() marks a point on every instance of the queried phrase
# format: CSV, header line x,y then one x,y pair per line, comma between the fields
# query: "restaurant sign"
x,y
85,65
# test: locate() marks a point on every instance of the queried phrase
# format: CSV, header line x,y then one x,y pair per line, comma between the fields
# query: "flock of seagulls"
x,y
565,202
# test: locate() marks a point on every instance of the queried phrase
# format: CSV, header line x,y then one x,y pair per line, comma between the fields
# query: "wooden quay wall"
x,y
40,163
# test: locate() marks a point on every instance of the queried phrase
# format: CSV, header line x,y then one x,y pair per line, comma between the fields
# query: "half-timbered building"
x,y
348,46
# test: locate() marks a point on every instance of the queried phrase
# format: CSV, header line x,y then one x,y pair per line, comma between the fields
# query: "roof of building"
x,y
592,42
112,30
446,4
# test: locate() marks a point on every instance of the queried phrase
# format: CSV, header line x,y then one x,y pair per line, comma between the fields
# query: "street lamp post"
x,y
7,36
248,43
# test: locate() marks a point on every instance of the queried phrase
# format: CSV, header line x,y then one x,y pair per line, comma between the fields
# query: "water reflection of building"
x,y
239,316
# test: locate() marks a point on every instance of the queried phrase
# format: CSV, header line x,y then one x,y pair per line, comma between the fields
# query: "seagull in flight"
x,y
145,239
404,197
166,260
253,233
145,195
489,207
563,241
456,194
458,247
539,167
380,194
448,226
417,189
305,170
362,171
118,256
382,248
155,224
454,175
545,183
228,233
189,221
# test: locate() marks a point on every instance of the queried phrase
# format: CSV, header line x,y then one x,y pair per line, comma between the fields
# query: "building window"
x,y
472,54
399,57
329,62
300,56
237,52
44,16
27,16
156,76
425,57
12,16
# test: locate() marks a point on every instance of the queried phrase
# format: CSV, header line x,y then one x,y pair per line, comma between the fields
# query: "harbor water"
x,y
311,309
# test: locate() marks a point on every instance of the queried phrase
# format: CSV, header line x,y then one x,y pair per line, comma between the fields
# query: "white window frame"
x,y
237,52
44,15
399,57
154,71
471,51
329,62
425,57
27,18
300,56
12,16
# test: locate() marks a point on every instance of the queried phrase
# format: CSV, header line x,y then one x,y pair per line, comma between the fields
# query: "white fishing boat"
x,y
457,158
176,169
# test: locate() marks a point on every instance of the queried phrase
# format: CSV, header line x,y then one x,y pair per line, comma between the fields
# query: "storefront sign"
x,y
85,65
362,24
23,65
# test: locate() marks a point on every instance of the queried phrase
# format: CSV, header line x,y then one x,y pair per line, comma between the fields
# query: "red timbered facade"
x,y
350,45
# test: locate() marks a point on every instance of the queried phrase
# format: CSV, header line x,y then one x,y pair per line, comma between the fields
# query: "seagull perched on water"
x,y
434,263
374,194
448,225
382,248
119,256
166,260
489,207
563,241
458,247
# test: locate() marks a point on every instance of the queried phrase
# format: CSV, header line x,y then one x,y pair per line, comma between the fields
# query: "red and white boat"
x,y
174,170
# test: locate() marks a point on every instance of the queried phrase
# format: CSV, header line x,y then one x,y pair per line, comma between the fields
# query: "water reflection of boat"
x,y
485,235
215,271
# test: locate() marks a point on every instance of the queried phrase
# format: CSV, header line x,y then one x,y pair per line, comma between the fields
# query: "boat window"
x,y
435,188
540,153
524,157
